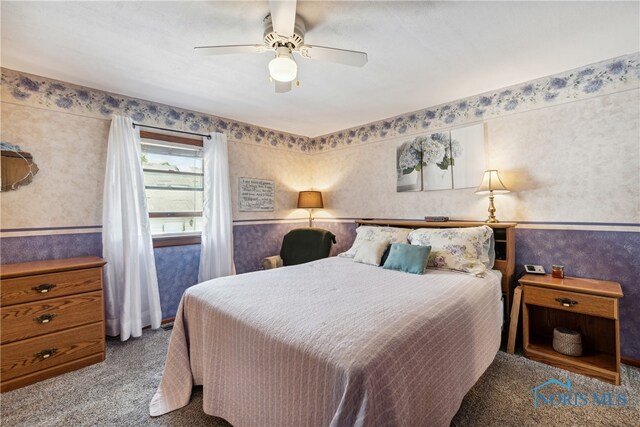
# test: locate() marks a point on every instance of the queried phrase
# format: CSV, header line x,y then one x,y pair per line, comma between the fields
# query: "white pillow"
x,y
366,233
371,252
463,249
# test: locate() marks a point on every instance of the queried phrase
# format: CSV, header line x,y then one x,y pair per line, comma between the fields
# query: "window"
x,y
173,179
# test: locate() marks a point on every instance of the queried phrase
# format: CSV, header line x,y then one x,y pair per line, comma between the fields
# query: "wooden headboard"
x,y
504,236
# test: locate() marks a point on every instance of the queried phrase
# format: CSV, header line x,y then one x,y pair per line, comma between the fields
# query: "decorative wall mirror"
x,y
16,167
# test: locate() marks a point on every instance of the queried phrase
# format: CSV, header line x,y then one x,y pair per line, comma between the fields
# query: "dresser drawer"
x,y
35,354
43,286
571,301
32,319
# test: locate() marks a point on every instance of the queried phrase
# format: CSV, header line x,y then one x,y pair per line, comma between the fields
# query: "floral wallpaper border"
x,y
52,94
613,75
605,77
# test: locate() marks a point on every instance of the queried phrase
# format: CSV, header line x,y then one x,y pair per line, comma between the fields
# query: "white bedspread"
x,y
332,343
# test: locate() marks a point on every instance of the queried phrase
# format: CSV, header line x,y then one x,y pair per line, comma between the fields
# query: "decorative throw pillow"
x,y
408,258
371,252
366,233
463,249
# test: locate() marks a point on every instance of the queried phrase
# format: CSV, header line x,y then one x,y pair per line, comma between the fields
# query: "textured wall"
x,y
50,246
570,162
602,78
70,151
177,269
288,169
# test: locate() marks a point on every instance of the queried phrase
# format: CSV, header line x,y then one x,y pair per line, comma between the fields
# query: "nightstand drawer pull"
x,y
45,318
44,288
566,302
46,353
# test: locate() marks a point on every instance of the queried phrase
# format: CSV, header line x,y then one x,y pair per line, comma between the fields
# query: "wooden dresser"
x,y
52,319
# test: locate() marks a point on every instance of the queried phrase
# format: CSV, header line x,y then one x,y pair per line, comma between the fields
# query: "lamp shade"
x,y
310,200
491,182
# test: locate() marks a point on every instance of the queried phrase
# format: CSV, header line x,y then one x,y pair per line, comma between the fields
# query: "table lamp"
x,y
310,200
491,183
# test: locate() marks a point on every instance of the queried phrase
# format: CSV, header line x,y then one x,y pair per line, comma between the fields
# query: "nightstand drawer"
x,y
571,301
43,286
28,320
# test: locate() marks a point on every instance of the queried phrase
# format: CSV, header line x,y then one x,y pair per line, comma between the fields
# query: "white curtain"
x,y
131,284
216,249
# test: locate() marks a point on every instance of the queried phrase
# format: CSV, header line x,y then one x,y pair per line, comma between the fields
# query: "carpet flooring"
x,y
117,393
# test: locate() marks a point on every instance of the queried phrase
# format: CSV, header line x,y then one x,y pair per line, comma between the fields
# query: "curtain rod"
x,y
172,130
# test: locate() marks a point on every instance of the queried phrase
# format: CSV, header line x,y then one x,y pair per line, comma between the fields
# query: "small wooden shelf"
x,y
594,364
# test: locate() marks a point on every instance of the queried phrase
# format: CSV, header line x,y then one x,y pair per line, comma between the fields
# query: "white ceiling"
x,y
420,53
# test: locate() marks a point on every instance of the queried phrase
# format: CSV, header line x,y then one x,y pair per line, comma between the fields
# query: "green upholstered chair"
x,y
301,245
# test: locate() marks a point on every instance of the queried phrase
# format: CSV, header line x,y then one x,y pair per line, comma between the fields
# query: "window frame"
x,y
181,239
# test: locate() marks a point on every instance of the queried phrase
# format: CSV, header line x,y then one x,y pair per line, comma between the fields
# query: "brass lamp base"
x,y
492,209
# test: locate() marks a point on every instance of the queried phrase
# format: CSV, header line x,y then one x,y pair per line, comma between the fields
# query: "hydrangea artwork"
x,y
428,162
409,166
435,148
422,152
438,162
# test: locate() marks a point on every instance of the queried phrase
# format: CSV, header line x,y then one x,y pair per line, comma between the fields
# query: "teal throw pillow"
x,y
408,258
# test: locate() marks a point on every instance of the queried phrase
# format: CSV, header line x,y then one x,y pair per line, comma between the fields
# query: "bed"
x,y
349,345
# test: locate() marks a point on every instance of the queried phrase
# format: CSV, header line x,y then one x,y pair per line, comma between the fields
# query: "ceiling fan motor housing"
x,y
273,40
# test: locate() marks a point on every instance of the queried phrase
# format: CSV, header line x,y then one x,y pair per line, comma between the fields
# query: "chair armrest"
x,y
271,262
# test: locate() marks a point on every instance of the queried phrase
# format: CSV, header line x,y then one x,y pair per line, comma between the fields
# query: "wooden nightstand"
x,y
585,305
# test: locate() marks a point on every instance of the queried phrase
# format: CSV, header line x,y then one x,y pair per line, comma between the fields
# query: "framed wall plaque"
x,y
256,195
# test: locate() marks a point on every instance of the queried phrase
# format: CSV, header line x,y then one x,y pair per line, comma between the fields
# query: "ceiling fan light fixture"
x,y
283,68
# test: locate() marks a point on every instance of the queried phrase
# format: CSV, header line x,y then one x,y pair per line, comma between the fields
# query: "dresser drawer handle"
x,y
45,318
44,288
566,302
46,353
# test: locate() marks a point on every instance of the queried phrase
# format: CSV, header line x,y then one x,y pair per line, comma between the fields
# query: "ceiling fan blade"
x,y
283,16
341,56
228,50
282,87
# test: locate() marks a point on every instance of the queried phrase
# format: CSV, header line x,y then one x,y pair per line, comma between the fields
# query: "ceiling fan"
x,y
284,34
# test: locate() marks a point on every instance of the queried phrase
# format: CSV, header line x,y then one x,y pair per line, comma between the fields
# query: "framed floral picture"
x,y
441,160
437,161
408,167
